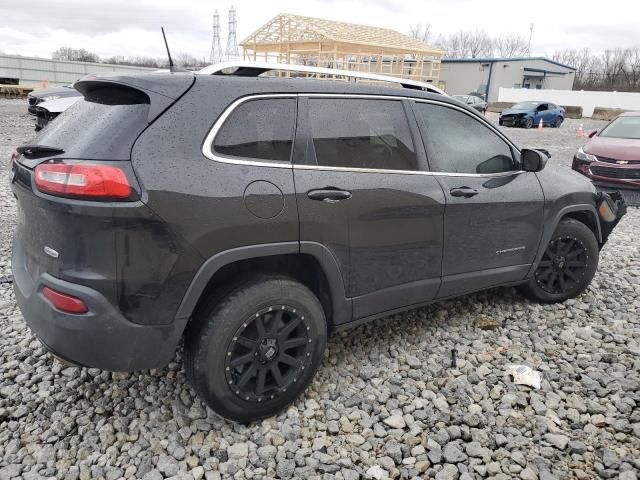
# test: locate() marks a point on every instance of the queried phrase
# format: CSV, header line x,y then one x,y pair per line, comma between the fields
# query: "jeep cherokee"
x,y
253,216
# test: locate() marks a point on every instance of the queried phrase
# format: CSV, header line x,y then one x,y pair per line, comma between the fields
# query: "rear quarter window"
x,y
259,129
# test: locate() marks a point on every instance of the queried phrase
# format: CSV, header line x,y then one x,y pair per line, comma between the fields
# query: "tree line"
x,y
184,60
472,44
614,69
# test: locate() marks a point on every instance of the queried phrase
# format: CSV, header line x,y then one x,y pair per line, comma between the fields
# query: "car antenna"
x,y
172,67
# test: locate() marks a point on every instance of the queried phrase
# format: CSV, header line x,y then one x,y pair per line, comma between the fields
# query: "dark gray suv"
x,y
253,216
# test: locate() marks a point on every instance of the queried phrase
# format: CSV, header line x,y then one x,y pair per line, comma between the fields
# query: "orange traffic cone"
x,y
44,83
540,126
580,131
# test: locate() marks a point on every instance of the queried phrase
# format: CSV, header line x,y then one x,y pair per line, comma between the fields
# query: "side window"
x,y
542,107
458,143
361,133
258,129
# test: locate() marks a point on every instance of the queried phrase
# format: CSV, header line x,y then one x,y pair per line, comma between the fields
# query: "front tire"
x,y
254,352
528,123
567,266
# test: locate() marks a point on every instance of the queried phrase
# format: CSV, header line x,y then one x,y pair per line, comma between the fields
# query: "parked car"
x,y
46,111
611,158
529,114
474,102
254,217
38,96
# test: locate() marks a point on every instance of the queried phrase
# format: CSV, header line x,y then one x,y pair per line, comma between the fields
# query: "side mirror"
x,y
533,160
593,133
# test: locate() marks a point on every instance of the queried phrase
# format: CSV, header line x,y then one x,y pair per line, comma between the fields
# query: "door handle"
x,y
329,195
465,192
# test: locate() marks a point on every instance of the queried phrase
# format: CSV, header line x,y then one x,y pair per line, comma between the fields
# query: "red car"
x,y
611,158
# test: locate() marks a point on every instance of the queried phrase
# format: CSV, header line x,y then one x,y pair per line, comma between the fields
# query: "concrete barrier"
x,y
586,99
601,113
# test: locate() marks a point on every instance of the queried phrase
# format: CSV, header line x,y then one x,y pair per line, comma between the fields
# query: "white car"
x,y
47,111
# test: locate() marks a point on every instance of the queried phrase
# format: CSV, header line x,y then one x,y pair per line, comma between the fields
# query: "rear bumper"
x,y
102,337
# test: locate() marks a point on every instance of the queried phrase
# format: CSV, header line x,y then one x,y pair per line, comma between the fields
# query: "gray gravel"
x,y
387,403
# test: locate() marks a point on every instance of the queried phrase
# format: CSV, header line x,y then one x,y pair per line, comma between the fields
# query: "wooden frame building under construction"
x,y
347,46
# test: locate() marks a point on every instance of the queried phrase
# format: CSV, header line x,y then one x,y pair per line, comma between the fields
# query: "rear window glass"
x,y
259,129
98,131
361,133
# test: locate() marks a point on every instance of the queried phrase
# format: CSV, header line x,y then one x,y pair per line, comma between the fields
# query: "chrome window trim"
x,y
207,146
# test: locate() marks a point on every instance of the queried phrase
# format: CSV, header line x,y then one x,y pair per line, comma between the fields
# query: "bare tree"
x,y
420,32
510,45
465,44
617,69
74,54
189,61
632,73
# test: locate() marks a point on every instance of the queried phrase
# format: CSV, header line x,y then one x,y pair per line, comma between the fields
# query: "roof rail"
x,y
254,69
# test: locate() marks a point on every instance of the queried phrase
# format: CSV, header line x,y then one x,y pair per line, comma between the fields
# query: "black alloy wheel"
x,y
268,353
255,346
566,266
563,265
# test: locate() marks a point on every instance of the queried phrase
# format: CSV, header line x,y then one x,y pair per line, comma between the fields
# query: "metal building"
x,y
347,46
33,71
461,76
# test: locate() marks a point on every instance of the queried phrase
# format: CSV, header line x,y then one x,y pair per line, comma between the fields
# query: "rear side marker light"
x,y
82,180
64,302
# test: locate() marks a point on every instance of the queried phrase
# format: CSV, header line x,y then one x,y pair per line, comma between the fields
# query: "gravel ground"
x,y
387,402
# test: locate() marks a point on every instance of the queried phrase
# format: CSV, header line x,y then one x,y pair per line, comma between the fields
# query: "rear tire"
x,y
252,353
557,122
567,266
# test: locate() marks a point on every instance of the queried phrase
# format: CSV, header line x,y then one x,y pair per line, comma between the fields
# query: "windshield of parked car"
x,y
623,127
525,105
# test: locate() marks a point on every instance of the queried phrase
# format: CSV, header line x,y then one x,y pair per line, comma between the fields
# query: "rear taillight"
x,y
82,180
65,302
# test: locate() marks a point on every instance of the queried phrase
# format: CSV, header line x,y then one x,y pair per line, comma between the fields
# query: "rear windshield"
x,y
623,127
97,129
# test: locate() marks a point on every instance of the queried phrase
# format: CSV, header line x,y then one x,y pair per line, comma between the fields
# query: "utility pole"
x,y
530,35
216,45
232,43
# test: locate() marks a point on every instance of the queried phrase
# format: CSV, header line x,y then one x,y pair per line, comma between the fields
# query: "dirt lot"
x,y
387,402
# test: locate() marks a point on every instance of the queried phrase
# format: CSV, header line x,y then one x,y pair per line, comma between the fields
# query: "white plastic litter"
x,y
524,375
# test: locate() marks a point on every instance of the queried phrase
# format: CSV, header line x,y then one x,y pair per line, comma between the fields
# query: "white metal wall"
x,y
580,98
33,71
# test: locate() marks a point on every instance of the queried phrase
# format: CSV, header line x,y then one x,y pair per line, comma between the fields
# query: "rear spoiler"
x,y
159,90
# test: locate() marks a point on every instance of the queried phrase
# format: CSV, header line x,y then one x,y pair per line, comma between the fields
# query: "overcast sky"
x,y
132,27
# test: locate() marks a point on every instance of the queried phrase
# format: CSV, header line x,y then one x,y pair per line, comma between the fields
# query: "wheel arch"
x,y
310,263
584,213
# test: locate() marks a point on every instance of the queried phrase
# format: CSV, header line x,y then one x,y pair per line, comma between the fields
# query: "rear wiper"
x,y
33,150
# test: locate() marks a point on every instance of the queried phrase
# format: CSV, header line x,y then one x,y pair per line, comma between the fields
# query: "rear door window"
x,y
259,129
361,133
459,143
